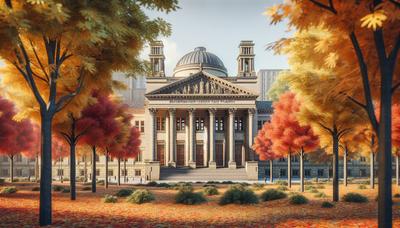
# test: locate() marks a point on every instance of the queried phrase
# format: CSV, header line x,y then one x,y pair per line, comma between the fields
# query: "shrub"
x,y
152,184
65,190
110,199
212,182
309,187
2,181
124,192
397,195
281,182
320,195
354,198
258,186
163,185
272,194
140,196
183,186
226,182
57,188
8,190
189,197
36,189
238,194
298,199
327,204
282,188
86,188
210,191
362,187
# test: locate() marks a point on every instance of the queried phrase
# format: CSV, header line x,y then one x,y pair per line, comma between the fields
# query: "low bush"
x,y
397,195
212,182
354,198
327,204
152,184
362,187
210,191
298,199
272,194
87,188
258,186
140,196
227,182
282,188
281,182
65,190
110,199
8,190
309,187
244,184
320,195
183,186
189,197
36,189
57,188
163,185
238,194
124,192
2,181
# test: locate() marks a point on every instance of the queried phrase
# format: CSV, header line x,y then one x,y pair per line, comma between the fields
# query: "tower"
x,y
246,59
157,59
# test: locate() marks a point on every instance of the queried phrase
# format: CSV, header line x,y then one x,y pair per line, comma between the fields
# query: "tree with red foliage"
x,y
101,126
59,151
16,136
263,147
35,151
288,136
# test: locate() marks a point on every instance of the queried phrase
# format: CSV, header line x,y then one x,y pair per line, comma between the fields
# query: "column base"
x,y
212,165
232,165
192,164
172,164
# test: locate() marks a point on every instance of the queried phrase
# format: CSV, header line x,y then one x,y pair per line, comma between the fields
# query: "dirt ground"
x,y
21,210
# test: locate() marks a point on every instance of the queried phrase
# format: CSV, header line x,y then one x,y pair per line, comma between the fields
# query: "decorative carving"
x,y
212,111
251,111
172,111
191,111
232,111
153,111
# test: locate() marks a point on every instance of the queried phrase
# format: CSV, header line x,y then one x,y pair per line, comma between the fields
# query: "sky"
x,y
220,25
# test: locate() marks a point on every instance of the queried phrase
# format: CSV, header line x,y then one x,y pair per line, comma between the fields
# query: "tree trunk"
x,y
302,170
106,180
345,167
37,168
119,172
45,208
271,171
397,170
125,172
11,168
335,178
72,170
371,170
289,173
94,169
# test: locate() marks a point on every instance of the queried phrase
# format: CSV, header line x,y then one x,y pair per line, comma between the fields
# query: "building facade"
x,y
266,78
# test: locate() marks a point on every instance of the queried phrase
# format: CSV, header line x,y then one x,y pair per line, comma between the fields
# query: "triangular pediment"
x,y
201,84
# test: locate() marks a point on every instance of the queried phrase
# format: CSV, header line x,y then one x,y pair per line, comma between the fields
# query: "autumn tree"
x,y
288,136
263,147
59,50
278,88
34,153
364,43
101,126
59,151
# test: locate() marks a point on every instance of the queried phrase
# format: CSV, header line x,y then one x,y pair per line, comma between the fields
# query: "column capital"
x,y
232,111
152,110
172,111
212,111
191,110
251,111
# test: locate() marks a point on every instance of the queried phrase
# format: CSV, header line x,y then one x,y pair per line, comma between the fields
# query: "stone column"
x,y
250,130
167,133
192,139
211,139
172,137
231,148
187,143
153,134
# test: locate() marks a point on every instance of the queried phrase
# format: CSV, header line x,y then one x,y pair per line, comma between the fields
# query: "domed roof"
x,y
197,60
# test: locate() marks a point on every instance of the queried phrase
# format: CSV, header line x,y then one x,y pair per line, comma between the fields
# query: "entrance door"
x,y
199,155
238,153
161,154
219,154
180,155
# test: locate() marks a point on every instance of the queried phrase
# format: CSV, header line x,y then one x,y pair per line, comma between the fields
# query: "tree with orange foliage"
x,y
288,136
362,47
263,147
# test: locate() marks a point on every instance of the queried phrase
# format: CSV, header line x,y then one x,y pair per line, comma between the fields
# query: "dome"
x,y
197,60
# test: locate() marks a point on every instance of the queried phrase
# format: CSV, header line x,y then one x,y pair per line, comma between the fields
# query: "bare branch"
x,y
67,98
38,60
66,137
326,128
357,102
329,7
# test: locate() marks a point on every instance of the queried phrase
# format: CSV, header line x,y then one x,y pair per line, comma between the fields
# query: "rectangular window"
x,y
18,158
282,160
60,172
110,172
236,124
295,172
363,172
18,172
221,124
267,172
81,172
137,125
349,174
282,172
124,172
180,124
295,159
362,159
97,172
307,172
199,124
259,125
142,125
138,172
31,172
320,172
4,172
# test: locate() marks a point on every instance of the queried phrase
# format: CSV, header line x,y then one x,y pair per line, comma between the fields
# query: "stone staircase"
x,y
203,174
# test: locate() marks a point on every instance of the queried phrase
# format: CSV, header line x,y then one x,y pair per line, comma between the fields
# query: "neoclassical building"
x,y
200,116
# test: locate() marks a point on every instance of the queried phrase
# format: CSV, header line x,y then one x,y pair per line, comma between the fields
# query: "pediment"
x,y
201,84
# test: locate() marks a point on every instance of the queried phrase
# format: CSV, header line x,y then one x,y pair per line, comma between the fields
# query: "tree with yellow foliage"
x,y
362,45
57,52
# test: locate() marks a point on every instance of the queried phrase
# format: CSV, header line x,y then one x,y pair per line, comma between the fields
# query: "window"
x,y
267,172
363,172
18,158
60,172
362,159
97,158
282,172
18,172
281,159
31,172
5,159
307,172
295,172
97,172
142,126
110,172
259,125
349,173
160,124
124,172
199,124
81,172
138,172
4,172
137,125
320,172
180,124
219,124
238,124
295,159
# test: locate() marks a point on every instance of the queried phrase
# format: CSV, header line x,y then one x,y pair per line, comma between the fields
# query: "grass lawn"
x,y
21,210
